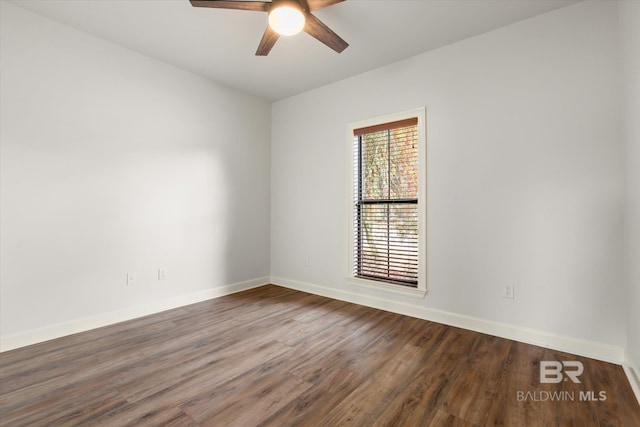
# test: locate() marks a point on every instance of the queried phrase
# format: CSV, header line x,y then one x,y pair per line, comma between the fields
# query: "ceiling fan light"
x,y
286,20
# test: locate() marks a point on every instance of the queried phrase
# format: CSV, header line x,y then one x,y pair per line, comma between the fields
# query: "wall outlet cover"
x,y
507,292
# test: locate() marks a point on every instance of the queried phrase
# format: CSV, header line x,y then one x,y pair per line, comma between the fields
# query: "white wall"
x,y
630,89
525,174
112,163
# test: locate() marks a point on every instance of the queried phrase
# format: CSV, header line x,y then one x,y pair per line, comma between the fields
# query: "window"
x,y
386,198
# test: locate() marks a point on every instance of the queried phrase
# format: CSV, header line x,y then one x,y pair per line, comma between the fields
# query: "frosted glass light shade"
x,y
286,20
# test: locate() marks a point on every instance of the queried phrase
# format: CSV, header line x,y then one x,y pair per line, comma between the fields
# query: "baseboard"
x,y
633,374
594,350
85,324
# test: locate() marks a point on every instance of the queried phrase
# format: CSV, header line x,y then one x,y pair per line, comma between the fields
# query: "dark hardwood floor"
x,y
277,357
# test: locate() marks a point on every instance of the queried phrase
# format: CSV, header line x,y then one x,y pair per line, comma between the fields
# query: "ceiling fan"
x,y
286,17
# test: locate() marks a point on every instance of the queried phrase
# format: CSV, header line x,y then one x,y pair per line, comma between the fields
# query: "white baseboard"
x,y
633,374
594,350
104,319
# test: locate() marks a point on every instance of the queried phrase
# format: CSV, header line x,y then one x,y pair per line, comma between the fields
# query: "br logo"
x,y
552,371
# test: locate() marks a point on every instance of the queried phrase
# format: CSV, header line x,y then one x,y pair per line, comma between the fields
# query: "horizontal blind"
x,y
386,202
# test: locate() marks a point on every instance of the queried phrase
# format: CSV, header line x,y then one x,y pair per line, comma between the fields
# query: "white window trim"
x,y
421,290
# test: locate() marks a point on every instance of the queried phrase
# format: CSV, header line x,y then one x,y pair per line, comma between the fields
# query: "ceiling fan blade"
x,y
304,4
320,31
269,38
319,4
258,6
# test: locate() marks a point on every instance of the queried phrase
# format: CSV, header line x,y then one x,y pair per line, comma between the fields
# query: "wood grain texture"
x,y
277,357
319,4
323,33
269,39
256,6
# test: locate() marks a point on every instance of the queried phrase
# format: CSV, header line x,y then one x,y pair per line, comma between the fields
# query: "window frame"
x,y
421,290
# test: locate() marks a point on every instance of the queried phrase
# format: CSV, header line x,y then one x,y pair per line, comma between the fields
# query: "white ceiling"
x,y
220,44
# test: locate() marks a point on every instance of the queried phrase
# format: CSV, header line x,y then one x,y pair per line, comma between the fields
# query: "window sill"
x,y
387,287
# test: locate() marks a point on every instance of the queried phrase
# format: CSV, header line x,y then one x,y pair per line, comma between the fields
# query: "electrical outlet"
x,y
131,278
507,292
306,261
162,273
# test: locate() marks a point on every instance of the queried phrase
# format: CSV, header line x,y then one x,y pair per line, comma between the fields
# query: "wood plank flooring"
x,y
276,357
